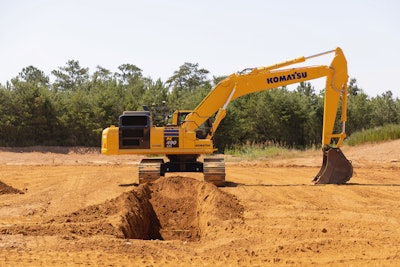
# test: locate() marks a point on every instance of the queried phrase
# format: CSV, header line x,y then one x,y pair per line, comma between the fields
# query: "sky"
x,y
222,36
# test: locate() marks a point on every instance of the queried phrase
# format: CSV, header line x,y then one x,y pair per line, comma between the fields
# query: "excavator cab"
x,y
336,168
179,117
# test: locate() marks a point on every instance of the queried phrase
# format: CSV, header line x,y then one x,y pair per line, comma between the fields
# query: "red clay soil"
x,y
81,208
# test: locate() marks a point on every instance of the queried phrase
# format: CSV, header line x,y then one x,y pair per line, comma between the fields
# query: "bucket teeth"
x,y
336,168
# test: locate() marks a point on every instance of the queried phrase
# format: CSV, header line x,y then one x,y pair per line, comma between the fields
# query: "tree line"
x,y
73,108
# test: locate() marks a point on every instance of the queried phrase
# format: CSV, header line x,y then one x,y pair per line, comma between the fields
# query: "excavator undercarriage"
x,y
150,169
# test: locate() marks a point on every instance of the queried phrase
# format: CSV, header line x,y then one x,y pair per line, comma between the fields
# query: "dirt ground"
x,y
72,207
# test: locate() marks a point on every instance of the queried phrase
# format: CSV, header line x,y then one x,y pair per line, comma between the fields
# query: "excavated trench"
x,y
177,208
171,208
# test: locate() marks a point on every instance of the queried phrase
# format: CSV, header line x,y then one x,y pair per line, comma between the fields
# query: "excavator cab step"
x,y
336,168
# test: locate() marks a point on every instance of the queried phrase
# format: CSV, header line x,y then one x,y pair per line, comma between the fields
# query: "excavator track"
x,y
212,168
336,168
214,171
150,170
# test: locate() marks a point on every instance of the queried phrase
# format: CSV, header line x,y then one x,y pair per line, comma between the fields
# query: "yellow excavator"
x,y
190,132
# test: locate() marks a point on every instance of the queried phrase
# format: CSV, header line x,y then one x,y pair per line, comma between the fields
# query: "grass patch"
x,y
378,134
257,151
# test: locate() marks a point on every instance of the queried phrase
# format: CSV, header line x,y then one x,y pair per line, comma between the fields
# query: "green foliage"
x,y
280,116
188,86
71,77
74,108
257,151
374,135
27,116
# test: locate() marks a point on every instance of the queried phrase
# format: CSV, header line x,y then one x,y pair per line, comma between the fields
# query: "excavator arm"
x,y
335,168
265,78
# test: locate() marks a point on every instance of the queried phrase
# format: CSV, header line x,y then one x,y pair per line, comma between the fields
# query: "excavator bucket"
x,y
336,168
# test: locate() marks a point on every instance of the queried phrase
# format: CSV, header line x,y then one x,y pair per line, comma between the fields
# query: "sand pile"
x,y
6,189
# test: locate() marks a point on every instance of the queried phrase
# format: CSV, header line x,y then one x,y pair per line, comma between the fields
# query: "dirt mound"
x,y
168,209
6,189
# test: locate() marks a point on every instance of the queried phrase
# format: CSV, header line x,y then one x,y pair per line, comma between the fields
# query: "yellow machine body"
x,y
191,132
181,143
